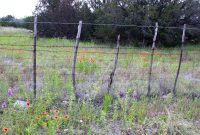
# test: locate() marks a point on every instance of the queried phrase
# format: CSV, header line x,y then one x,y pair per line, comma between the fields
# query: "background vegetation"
x,y
139,12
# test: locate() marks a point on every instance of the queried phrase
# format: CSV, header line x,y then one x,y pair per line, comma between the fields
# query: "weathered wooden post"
x,y
75,55
151,62
34,57
180,60
115,65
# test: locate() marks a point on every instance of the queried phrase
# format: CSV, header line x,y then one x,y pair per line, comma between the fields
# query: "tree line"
x,y
139,12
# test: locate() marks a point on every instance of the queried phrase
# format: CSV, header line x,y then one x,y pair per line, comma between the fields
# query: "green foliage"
x,y
137,113
189,108
87,67
8,21
107,101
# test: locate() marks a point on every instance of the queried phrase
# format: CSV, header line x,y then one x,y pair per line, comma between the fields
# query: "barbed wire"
x,y
12,36
104,24
94,47
106,80
82,74
93,52
70,67
90,70
97,61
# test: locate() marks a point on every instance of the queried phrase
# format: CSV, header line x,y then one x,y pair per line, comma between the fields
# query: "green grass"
x,y
112,114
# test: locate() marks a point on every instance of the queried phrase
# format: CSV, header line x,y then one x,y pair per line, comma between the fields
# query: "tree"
x,y
139,12
62,11
8,20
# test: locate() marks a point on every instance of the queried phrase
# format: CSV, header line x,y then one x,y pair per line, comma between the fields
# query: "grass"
x,y
126,110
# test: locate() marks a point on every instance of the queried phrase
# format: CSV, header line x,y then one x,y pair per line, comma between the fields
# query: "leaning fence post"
x,y
152,54
115,65
34,56
180,61
75,55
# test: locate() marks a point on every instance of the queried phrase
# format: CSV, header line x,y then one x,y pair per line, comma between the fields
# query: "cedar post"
x,y
180,60
151,62
75,55
115,65
34,57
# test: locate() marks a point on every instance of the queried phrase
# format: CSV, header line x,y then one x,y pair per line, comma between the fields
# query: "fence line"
x,y
152,54
91,47
100,52
96,61
105,24
15,36
81,74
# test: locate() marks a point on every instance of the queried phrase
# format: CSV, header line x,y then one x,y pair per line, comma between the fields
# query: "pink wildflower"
x,y
4,104
10,92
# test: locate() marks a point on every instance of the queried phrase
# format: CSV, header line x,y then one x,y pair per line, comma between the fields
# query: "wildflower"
x,y
10,92
38,118
81,121
44,113
136,95
28,104
66,117
56,111
5,130
56,117
122,94
4,104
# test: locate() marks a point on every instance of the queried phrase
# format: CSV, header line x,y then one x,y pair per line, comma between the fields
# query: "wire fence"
x,y
37,64
105,24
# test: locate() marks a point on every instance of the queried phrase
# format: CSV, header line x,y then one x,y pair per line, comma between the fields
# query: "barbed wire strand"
x,y
104,24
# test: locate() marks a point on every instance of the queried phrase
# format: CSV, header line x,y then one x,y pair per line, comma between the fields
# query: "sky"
x,y
17,8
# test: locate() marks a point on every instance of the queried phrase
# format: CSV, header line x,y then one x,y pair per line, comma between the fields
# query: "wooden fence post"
x,y
180,60
151,63
75,55
115,65
34,57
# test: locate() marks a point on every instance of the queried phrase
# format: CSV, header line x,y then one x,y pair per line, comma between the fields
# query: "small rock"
x,y
19,103
167,97
66,130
